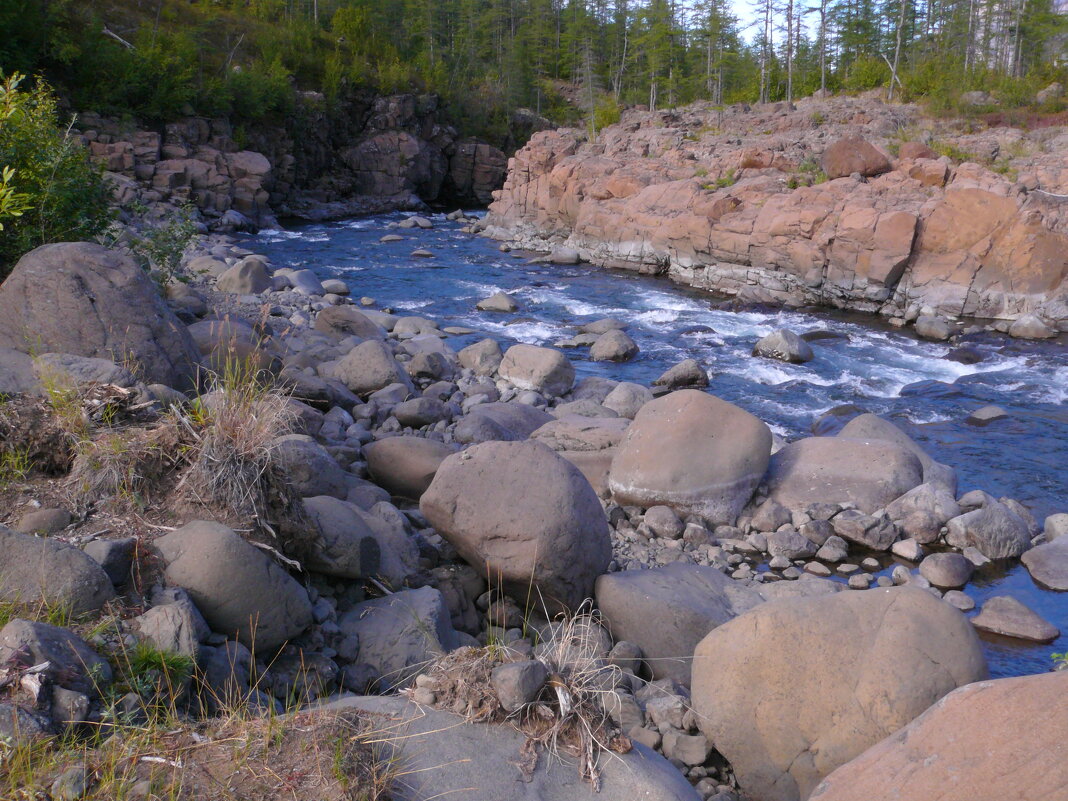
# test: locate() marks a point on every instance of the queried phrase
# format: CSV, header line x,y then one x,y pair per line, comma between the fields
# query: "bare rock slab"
x,y
980,741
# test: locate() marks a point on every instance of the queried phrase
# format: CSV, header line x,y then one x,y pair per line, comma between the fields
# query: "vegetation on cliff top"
x,y
158,59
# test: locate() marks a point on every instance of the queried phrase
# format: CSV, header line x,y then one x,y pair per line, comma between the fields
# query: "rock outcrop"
x,y
368,154
980,741
859,666
733,201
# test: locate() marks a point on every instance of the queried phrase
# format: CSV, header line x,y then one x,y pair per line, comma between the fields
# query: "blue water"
x,y
875,367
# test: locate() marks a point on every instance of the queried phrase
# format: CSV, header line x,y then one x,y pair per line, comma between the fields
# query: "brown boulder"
x,y
859,666
853,154
989,740
915,150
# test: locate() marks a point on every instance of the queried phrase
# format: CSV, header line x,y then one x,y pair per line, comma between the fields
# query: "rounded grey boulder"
x,y
868,474
785,346
693,452
405,466
37,570
239,589
543,370
525,516
81,298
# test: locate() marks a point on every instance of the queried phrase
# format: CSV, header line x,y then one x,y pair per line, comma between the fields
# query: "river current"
x,y
870,365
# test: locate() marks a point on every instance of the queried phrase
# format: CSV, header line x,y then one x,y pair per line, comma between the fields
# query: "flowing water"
x,y
872,366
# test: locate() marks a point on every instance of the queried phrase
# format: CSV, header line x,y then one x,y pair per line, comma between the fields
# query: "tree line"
x,y
565,59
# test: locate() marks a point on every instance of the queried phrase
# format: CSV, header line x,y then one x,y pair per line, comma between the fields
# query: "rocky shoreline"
x,y
517,557
840,202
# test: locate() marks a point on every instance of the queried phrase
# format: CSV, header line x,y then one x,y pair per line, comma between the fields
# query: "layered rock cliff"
x,y
366,154
746,203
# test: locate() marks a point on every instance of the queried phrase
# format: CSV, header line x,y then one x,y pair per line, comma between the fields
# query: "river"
x,y
870,365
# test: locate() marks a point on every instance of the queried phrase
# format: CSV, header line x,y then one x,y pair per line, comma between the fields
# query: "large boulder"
x,y
239,589
989,740
310,469
483,357
525,516
345,546
613,346
369,367
543,370
693,452
247,277
859,666
405,466
872,427
668,610
34,571
500,421
344,321
401,633
868,474
444,754
853,154
81,298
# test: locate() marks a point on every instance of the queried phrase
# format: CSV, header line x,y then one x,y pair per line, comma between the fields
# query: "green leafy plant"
x,y
161,243
50,191
1060,661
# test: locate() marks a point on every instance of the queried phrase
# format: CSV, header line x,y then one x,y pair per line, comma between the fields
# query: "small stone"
x,y
870,564
834,549
518,683
689,749
1007,616
817,569
71,784
959,599
860,581
908,549
424,696
900,575
663,522
946,570
650,738
847,569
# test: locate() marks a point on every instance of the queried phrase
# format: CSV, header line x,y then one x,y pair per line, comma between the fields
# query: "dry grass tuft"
x,y
232,471
568,717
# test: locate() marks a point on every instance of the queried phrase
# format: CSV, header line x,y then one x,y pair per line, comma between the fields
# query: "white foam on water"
x,y
273,235
412,304
657,317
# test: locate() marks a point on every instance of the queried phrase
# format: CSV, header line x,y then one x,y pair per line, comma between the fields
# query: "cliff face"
x,y
370,154
721,200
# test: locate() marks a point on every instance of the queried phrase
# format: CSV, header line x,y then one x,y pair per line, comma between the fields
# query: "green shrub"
x,y
606,113
160,243
260,90
867,72
60,195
